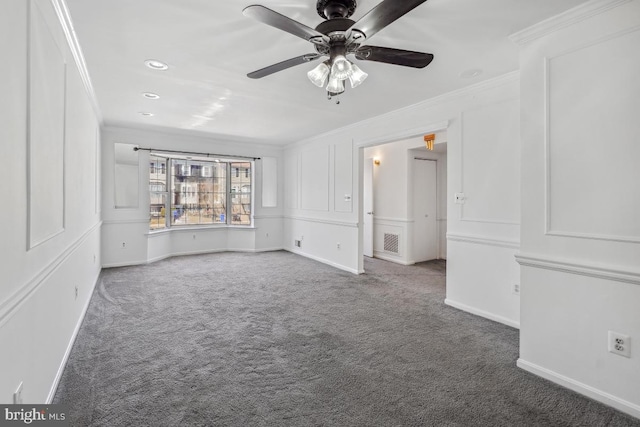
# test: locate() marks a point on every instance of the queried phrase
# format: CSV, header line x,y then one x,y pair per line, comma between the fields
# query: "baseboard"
x,y
381,255
325,261
67,353
591,392
482,313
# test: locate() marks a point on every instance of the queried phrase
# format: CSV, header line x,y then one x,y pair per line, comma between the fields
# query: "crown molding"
x,y
62,11
565,19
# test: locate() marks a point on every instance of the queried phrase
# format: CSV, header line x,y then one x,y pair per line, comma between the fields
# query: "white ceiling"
x,y
210,46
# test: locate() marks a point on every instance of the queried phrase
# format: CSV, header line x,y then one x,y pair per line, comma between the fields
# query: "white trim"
x,y
349,224
324,261
9,306
125,221
67,353
273,216
385,256
401,134
203,252
387,219
482,313
62,11
584,389
480,240
565,19
570,267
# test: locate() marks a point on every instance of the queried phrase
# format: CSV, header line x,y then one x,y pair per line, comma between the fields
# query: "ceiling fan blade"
x,y
407,58
384,14
281,22
299,60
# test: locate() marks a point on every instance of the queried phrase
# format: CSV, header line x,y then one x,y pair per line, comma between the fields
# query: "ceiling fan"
x,y
339,36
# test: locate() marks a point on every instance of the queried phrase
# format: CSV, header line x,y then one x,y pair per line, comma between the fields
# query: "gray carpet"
x,y
274,339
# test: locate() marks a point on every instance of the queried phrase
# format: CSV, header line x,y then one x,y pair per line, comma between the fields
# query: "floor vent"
x,y
391,243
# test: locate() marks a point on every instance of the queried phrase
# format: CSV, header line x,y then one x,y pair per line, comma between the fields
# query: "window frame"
x,y
170,162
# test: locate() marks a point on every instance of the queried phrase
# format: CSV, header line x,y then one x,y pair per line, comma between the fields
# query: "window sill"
x,y
191,228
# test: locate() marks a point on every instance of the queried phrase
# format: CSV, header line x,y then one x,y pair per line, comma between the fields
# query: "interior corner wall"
x,y
580,249
50,246
126,239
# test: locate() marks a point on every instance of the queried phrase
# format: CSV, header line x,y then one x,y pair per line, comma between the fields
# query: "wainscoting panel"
x,y
47,95
491,163
314,179
592,152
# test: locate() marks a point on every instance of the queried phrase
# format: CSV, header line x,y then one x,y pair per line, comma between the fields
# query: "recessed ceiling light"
x,y
156,65
150,95
146,114
468,74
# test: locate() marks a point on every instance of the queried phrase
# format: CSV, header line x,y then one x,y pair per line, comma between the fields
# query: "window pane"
x,y
198,192
157,192
241,194
157,214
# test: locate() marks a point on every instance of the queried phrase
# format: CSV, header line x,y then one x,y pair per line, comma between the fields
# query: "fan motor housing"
x,y
331,9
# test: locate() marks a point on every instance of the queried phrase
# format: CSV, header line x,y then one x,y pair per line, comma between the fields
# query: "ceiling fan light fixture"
x,y
335,86
319,74
357,77
341,68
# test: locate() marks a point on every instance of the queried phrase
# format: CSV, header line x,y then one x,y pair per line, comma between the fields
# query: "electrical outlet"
x,y
338,245
515,289
17,396
124,245
619,344
76,292
297,243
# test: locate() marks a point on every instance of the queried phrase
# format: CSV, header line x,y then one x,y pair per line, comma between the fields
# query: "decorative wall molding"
x,y
52,177
461,209
9,306
396,220
62,11
547,141
482,313
268,216
349,224
571,267
125,221
565,19
591,392
480,240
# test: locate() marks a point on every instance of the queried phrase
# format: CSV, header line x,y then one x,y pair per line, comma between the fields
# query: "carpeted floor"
x,y
274,339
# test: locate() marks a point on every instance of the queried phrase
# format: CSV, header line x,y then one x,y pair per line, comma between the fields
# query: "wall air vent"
x,y
391,243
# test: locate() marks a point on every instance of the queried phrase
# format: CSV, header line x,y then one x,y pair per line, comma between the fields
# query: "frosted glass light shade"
x,y
318,75
358,76
341,68
335,85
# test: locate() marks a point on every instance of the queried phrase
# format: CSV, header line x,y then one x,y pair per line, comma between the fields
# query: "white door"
x,y
367,205
425,232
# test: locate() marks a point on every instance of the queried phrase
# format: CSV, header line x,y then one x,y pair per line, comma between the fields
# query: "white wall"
x,y
393,193
483,160
580,229
50,219
130,226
